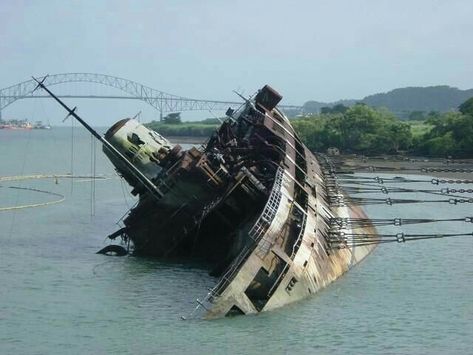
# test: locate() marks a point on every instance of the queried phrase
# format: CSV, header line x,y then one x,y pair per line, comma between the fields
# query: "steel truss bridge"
x,y
161,101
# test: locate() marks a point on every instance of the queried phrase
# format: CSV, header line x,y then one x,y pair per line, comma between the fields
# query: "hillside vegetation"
x,y
405,101
434,98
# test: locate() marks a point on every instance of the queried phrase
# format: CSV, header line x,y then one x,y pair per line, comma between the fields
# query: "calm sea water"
x,y
58,297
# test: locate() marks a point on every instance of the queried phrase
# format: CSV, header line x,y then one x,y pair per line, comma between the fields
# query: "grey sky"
x,y
322,50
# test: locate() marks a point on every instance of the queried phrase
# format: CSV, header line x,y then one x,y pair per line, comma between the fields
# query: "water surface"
x,y
57,296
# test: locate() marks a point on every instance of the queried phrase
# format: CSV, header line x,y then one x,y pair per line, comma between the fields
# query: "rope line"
x,y
43,176
33,205
53,176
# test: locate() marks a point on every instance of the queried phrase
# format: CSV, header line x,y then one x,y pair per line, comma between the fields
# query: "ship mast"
x,y
147,183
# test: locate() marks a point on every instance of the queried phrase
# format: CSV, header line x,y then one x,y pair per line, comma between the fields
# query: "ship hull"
x,y
253,202
310,266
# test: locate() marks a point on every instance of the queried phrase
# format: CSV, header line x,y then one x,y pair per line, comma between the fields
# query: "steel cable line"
x,y
340,222
343,240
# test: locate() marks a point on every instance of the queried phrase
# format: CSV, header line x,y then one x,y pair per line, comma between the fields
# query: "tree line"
x,y
367,130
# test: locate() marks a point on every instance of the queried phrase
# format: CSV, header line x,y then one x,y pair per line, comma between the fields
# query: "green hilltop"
x,y
403,101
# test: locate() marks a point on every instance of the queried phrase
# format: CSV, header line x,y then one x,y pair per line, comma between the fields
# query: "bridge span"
x,y
159,100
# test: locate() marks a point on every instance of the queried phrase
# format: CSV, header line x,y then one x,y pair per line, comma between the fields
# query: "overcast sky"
x,y
321,50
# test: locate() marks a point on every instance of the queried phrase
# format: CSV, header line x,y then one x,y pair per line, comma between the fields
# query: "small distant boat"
x,y
41,125
26,125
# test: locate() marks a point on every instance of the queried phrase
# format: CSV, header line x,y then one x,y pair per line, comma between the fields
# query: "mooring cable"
x,y
342,240
340,200
340,222
385,190
376,189
383,180
350,169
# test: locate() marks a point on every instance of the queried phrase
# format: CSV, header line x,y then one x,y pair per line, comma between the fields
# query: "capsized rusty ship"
x,y
253,202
